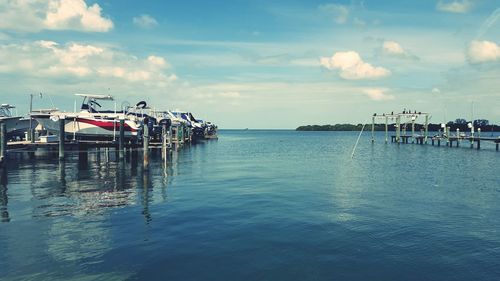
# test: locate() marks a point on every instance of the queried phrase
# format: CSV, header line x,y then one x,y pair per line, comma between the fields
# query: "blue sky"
x,y
257,64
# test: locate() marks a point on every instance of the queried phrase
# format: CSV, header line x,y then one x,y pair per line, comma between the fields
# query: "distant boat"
x,y
16,125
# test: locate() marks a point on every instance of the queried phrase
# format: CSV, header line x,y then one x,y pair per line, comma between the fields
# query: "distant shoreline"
x,y
392,127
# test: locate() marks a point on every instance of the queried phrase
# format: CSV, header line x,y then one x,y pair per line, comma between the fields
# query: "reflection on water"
x,y
85,183
272,205
4,212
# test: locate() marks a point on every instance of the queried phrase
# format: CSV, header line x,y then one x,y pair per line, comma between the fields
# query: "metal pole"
x,y
61,136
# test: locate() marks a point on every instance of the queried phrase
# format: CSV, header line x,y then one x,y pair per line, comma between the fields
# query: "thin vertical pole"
x,y
62,136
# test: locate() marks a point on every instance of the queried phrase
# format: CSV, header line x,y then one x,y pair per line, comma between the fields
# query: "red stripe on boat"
x,y
106,124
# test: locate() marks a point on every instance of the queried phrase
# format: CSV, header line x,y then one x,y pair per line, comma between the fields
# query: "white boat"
x,y
16,125
91,122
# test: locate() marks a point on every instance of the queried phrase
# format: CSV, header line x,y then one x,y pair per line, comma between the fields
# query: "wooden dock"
x,y
448,141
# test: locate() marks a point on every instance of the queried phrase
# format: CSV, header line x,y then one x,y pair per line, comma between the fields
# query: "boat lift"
x,y
405,115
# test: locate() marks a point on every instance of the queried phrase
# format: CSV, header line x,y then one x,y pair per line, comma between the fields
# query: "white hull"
x,y
79,127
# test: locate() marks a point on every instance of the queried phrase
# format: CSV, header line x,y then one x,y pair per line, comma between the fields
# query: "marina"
x,y
130,129
249,140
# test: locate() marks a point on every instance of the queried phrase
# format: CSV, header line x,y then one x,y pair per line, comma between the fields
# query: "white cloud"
x,y
391,47
436,91
36,15
352,67
456,6
48,59
377,94
145,21
339,12
483,51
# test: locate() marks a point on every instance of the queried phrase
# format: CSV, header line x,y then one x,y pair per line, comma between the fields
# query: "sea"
x,y
255,205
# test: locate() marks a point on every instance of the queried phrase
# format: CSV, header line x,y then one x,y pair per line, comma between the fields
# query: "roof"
x,y
97,97
6,105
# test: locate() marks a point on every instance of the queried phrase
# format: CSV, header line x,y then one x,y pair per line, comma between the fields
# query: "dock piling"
x,y
3,141
386,129
121,140
373,128
164,142
62,137
398,128
145,141
413,129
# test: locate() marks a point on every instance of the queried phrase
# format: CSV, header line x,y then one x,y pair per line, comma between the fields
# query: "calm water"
x,y
256,205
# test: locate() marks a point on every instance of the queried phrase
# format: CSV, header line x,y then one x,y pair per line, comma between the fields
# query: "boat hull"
x,y
88,127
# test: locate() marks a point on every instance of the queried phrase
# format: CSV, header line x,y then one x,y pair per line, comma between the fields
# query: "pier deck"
x,y
448,141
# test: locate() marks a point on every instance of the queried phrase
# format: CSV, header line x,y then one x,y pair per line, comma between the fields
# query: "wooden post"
x,y
62,136
170,136
458,137
398,128
121,139
145,140
426,127
472,135
432,141
413,129
447,135
478,143
3,141
164,142
386,129
373,128
497,146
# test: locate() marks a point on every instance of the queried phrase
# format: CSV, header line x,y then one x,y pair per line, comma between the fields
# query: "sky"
x,y
257,64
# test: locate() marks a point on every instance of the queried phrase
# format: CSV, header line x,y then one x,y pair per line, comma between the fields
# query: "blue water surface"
x,y
255,205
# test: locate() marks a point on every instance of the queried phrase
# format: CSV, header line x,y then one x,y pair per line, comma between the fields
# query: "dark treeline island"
x,y
485,127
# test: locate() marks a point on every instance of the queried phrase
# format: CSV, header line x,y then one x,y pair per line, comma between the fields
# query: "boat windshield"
x,y
5,110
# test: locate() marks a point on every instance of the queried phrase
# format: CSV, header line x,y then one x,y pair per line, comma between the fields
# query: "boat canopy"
x,y
96,97
6,105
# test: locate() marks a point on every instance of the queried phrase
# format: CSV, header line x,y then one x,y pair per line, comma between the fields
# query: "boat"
x,y
17,126
92,122
198,127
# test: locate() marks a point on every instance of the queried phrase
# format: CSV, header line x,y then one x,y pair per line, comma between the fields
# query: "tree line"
x,y
485,127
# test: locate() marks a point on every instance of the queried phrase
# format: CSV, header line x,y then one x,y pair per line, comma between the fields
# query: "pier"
x,y
446,138
171,138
